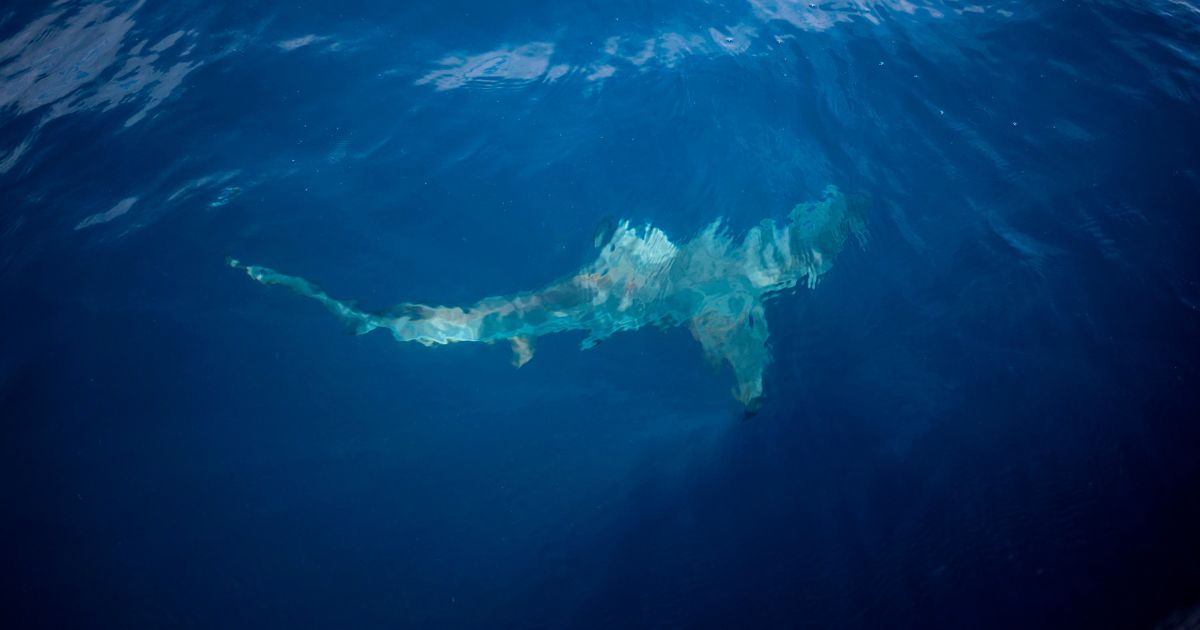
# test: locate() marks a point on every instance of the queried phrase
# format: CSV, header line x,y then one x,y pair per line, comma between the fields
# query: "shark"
x,y
713,284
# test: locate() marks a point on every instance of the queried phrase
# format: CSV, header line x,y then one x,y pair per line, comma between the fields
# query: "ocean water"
x,y
986,418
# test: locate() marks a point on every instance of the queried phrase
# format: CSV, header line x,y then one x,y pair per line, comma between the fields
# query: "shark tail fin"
x,y
357,321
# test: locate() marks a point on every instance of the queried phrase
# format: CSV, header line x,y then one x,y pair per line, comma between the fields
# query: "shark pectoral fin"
x,y
522,348
741,340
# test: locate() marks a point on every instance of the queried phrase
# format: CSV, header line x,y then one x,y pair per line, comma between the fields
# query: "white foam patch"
x,y
123,206
513,65
296,43
824,15
506,64
603,72
202,183
70,61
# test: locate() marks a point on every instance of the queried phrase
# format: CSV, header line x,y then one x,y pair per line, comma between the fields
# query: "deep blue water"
x,y
987,419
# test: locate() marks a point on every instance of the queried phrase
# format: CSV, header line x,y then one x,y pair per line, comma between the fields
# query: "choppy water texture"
x,y
987,418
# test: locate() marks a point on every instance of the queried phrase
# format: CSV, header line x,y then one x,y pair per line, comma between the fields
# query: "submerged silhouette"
x,y
711,284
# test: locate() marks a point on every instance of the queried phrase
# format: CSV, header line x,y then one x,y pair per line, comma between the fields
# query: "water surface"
x,y
985,419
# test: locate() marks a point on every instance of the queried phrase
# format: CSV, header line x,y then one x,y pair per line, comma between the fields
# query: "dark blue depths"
x,y
987,418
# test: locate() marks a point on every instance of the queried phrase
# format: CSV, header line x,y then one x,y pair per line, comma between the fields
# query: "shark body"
x,y
711,284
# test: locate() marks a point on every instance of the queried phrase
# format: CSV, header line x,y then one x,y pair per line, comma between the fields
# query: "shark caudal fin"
x,y
357,321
